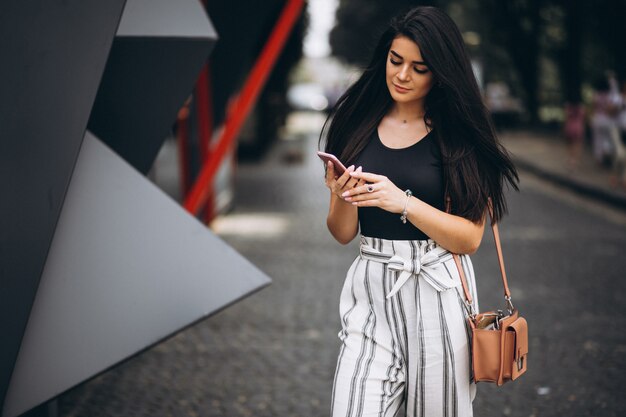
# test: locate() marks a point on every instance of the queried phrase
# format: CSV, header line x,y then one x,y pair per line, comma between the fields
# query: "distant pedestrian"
x,y
621,117
574,132
415,128
618,174
604,122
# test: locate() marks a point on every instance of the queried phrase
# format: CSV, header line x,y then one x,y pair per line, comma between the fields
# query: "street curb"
x,y
613,199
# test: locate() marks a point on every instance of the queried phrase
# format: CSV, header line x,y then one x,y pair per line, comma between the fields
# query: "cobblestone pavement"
x,y
274,353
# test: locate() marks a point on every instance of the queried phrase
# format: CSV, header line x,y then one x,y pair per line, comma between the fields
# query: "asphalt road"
x,y
274,353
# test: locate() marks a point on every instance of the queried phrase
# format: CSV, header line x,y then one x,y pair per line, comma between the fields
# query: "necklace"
x,y
404,121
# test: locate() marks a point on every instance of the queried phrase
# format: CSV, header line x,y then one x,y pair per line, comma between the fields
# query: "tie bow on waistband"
x,y
428,266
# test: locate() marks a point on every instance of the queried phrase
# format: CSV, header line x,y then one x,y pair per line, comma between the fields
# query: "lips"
x,y
401,89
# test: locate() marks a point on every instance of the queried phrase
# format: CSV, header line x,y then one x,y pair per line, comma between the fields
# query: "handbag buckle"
x,y
509,304
470,309
499,318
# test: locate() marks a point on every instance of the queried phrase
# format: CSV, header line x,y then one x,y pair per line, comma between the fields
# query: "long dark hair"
x,y
475,164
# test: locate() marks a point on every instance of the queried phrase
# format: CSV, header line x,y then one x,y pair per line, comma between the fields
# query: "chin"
x,y
401,98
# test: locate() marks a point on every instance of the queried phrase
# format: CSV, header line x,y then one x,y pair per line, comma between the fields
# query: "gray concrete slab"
x,y
127,267
53,55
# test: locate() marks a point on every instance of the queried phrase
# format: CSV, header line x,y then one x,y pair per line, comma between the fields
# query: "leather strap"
x,y
496,238
457,261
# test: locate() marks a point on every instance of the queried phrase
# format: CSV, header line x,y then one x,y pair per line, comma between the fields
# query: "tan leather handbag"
x,y
499,339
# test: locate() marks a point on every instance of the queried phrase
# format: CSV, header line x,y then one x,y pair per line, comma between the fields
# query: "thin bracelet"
x,y
408,193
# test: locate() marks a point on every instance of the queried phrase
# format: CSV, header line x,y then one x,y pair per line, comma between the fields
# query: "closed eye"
x,y
419,71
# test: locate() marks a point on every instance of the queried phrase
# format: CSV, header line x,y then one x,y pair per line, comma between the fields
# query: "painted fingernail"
x,y
348,198
345,194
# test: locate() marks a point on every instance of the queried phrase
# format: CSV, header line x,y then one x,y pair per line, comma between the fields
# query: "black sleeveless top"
x,y
418,168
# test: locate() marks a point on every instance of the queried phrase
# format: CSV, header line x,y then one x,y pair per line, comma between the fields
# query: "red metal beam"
x,y
244,103
204,112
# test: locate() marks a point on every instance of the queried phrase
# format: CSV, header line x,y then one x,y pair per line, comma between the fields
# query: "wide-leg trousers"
x,y
405,340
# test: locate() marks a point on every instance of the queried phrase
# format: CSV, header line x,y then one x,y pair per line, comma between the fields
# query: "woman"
x,y
414,121
605,132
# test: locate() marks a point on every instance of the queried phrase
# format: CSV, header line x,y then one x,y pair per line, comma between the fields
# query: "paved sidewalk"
x,y
546,155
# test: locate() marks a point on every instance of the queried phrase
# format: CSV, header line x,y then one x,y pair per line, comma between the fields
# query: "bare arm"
x,y
342,220
454,233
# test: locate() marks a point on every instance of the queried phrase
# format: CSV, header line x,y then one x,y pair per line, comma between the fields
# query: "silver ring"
x,y
370,188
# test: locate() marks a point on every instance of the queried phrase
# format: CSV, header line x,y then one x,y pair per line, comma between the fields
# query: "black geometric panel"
x,y
244,26
157,54
52,56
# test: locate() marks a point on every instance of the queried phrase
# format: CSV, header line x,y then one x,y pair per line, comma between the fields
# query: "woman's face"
x,y
408,77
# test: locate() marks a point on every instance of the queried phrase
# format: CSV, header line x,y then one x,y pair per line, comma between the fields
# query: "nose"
x,y
403,74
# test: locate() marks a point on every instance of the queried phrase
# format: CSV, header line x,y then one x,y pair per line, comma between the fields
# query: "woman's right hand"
x,y
343,219
343,183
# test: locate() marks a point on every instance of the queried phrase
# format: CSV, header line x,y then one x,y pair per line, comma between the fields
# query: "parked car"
x,y
505,109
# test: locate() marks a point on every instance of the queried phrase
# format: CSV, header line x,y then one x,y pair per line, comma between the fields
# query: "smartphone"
x,y
339,167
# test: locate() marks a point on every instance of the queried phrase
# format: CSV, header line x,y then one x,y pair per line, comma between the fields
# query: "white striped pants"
x,y
405,340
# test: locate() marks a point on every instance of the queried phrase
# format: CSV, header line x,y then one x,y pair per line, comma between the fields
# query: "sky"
x,y
321,21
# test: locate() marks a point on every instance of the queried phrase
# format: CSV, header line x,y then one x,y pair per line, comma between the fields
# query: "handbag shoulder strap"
x,y
496,238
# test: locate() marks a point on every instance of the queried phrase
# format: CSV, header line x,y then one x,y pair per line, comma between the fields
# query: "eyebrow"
x,y
400,57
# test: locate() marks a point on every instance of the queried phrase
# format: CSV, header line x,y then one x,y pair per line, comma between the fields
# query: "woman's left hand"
x,y
379,192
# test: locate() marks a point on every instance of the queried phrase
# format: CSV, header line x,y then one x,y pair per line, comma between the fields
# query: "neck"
x,y
408,112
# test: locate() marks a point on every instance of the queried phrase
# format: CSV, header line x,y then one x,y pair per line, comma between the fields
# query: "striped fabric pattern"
x,y
405,348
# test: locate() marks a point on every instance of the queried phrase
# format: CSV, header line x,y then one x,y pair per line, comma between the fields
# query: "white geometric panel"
x,y
128,266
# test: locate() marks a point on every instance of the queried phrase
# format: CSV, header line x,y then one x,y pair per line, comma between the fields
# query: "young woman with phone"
x,y
413,133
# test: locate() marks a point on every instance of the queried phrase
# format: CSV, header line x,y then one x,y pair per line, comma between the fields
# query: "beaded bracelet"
x,y
408,193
